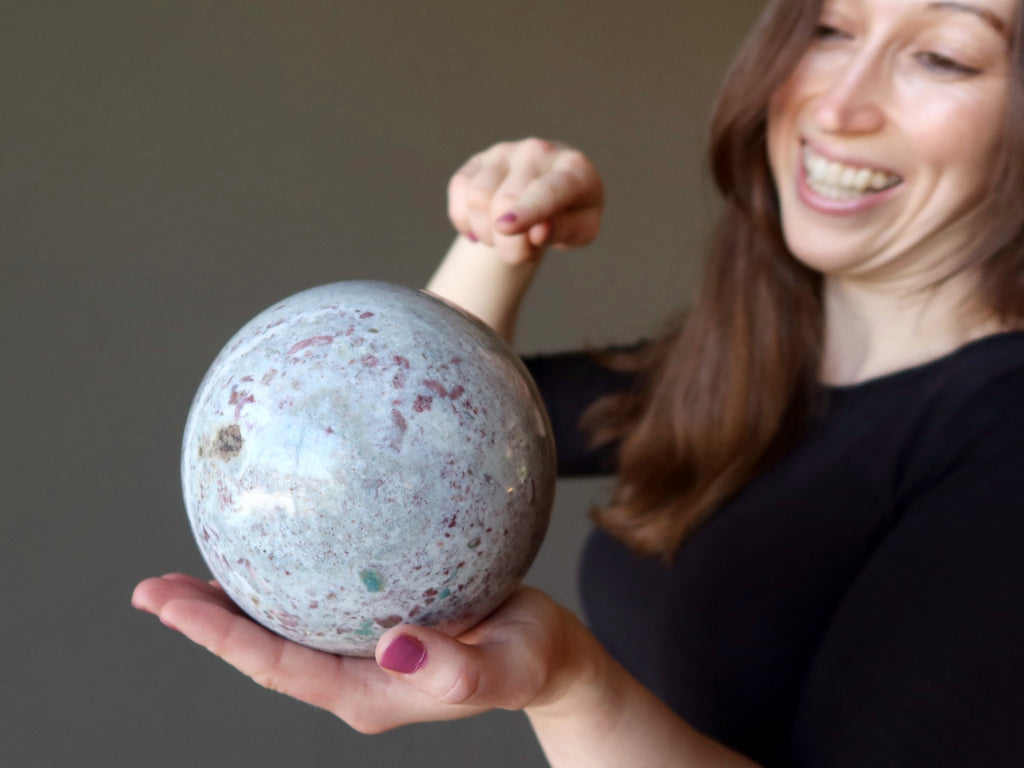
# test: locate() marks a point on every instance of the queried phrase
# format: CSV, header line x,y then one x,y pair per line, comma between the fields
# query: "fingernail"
x,y
508,218
168,624
405,655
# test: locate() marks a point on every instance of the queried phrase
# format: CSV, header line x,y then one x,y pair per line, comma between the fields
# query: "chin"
x,y
819,251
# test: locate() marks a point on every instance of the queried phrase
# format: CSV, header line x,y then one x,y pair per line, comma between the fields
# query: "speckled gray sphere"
x,y
361,455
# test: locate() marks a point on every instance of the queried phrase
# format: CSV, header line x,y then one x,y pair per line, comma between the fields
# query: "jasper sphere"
x,y
361,455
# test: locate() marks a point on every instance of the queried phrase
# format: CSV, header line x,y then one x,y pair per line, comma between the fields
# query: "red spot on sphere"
x,y
399,420
240,402
315,341
435,387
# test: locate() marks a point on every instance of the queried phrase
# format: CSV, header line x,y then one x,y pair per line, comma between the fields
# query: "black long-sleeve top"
x,y
859,604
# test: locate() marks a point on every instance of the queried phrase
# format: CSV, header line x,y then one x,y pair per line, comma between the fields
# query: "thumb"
x,y
517,249
498,673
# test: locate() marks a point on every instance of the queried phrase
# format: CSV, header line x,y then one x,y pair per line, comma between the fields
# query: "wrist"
x,y
475,277
587,680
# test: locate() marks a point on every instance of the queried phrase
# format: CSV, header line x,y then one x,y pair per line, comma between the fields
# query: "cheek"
x,y
944,141
959,134
783,111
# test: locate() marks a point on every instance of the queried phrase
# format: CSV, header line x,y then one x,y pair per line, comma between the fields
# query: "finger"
x,y
508,196
513,233
210,587
458,208
204,614
461,184
152,594
567,230
354,689
539,233
574,228
544,198
277,664
572,184
477,198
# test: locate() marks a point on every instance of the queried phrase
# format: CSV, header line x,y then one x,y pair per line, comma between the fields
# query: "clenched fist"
x,y
521,196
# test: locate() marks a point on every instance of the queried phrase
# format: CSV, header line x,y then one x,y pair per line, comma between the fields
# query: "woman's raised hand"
x,y
521,655
521,196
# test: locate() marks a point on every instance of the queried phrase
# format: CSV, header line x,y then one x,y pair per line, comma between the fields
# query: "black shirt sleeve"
x,y
569,383
923,660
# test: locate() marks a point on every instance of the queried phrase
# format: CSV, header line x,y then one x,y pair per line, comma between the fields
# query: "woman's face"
x,y
884,138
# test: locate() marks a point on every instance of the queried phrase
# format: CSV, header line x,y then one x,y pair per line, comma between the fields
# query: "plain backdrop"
x,y
170,168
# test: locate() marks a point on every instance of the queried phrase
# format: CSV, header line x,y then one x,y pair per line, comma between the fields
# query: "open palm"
x,y
512,659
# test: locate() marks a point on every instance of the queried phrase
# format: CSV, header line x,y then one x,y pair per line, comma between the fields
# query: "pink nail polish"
x,y
405,654
508,218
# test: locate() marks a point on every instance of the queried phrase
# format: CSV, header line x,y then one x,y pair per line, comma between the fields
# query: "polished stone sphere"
x,y
361,455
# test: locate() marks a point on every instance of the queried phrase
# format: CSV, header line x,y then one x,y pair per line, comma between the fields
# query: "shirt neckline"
x,y
935,363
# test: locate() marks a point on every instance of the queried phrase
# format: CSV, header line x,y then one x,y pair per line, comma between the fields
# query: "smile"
x,y
840,181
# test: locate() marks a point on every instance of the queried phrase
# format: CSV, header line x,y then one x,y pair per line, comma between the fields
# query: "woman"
x,y
811,554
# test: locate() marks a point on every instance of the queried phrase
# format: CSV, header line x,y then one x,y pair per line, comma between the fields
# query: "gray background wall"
x,y
167,170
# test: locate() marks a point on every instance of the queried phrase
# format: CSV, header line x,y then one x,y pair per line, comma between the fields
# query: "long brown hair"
x,y
731,383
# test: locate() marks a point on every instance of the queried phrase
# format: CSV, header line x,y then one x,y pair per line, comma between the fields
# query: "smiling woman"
x,y
811,553
908,98
884,143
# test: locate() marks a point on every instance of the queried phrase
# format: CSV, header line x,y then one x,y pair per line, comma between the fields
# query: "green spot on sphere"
x,y
372,581
366,629
444,593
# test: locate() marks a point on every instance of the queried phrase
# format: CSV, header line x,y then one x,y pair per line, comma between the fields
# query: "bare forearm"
x,y
509,203
474,277
607,718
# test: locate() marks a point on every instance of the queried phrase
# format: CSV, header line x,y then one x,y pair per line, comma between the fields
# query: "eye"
x,y
827,32
944,65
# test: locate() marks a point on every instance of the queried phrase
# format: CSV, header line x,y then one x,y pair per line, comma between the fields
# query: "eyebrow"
x,y
990,18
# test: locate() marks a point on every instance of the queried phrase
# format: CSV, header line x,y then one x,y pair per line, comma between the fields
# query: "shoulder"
x,y
969,425
976,394
945,418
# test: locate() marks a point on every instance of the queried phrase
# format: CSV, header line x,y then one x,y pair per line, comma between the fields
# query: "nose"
x,y
851,101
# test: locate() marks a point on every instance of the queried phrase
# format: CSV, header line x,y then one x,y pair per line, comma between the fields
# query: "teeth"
x,y
843,182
